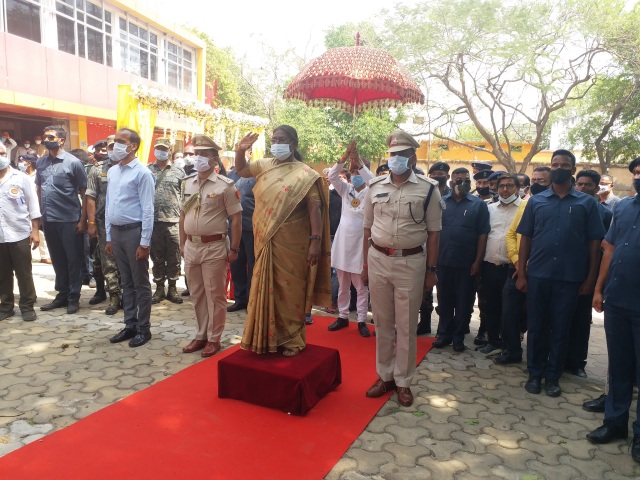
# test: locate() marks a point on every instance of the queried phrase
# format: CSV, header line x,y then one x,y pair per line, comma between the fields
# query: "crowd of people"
x,y
538,253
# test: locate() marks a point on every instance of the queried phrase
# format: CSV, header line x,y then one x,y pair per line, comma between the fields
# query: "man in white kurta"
x,y
346,251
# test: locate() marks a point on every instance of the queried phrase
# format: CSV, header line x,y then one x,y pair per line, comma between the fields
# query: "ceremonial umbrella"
x,y
354,79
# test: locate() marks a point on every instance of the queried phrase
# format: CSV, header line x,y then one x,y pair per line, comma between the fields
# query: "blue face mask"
x,y
357,181
161,155
22,167
281,151
398,165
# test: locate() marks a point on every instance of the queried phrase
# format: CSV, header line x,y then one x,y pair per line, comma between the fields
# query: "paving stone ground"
x,y
471,418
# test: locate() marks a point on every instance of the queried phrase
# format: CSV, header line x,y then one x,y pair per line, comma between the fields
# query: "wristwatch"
x,y
432,268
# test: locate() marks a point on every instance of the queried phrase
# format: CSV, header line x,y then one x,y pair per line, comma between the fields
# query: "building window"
x,y
23,19
84,29
180,66
516,148
138,50
443,146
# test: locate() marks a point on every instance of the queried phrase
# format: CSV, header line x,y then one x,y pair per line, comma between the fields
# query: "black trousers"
x,y
66,248
15,257
580,333
514,312
493,280
455,286
242,268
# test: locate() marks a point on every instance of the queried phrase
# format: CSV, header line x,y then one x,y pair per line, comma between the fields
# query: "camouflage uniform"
x,y
97,189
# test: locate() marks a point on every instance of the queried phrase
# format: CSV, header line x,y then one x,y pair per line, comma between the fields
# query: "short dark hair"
x,y
293,135
509,176
81,155
608,176
525,181
634,163
60,132
459,170
134,137
346,172
592,174
564,153
542,169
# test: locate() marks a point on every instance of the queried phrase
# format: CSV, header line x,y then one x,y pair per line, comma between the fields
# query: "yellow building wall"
x,y
433,151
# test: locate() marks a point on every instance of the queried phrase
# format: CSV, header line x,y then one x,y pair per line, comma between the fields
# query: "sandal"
x,y
287,352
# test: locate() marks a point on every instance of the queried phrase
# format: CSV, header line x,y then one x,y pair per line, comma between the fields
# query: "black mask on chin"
x,y
536,188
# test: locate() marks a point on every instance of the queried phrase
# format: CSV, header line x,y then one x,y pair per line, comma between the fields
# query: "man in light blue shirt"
x,y
128,225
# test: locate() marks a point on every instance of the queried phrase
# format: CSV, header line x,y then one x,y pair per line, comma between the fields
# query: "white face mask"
x,y
522,192
27,145
398,164
38,142
280,150
161,155
201,164
179,162
604,188
4,162
509,199
119,152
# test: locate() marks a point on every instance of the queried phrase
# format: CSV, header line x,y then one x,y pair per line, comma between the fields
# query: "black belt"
x,y
128,226
391,252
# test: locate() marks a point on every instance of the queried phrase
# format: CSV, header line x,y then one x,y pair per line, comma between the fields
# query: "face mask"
x,y
280,151
510,199
462,187
493,192
22,167
536,188
161,155
38,142
483,191
441,180
52,145
604,189
119,152
560,176
201,164
636,185
27,145
398,165
4,162
522,192
179,162
357,181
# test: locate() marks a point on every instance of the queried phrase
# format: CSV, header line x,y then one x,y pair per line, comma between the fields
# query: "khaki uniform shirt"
x,y
219,200
168,192
395,214
97,186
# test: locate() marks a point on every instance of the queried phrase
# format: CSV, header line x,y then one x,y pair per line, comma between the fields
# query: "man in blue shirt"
x,y
465,227
129,224
558,260
60,182
617,292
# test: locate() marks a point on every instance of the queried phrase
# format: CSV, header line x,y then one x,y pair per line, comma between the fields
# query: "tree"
x,y
506,67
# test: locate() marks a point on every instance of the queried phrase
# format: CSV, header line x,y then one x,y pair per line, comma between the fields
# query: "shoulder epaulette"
x,y
427,179
377,179
225,179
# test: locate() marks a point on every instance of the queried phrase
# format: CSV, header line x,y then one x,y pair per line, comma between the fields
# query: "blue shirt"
x,y
130,198
622,288
247,200
560,230
462,224
61,180
605,214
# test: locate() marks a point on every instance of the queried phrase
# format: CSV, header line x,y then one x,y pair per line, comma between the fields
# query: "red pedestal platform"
x,y
291,384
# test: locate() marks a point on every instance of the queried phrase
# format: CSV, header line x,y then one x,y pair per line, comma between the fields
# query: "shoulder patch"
x,y
225,179
427,179
377,179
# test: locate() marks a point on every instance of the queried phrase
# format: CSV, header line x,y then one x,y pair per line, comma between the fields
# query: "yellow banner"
x,y
132,114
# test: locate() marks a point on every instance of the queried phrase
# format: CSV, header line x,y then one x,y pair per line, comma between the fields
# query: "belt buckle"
x,y
392,252
196,238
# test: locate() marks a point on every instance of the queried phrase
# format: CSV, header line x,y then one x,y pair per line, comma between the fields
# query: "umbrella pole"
x,y
355,102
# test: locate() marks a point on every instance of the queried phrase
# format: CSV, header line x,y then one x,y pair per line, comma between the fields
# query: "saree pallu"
x,y
283,286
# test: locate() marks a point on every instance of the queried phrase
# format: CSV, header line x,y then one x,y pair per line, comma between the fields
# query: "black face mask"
x,y
636,185
441,180
463,187
560,176
536,188
483,191
52,145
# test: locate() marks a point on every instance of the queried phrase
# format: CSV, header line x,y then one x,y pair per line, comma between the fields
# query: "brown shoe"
x,y
194,346
211,349
380,388
405,397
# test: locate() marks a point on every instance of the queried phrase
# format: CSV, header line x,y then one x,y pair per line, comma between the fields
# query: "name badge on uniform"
x,y
385,194
355,203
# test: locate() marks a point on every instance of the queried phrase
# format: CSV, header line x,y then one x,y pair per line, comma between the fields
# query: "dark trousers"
x,y
550,307
15,257
66,248
622,328
455,286
134,275
578,347
514,310
493,279
242,268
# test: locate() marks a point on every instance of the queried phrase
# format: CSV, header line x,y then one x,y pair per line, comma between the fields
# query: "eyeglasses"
x,y
49,138
507,185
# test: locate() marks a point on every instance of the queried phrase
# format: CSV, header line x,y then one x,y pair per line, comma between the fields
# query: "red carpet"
x,y
179,428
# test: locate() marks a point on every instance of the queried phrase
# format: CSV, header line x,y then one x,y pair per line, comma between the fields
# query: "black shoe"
x,y
99,297
114,304
55,304
424,328
122,335
236,307
607,432
533,385
459,347
338,324
551,388
73,308
441,343
363,329
596,405
635,448
5,315
140,339
29,315
578,372
185,293
505,359
481,339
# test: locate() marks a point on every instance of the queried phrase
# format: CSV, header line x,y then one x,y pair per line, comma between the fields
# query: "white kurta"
x,y
346,251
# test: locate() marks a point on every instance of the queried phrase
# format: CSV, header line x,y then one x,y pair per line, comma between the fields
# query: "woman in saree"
x,y
291,242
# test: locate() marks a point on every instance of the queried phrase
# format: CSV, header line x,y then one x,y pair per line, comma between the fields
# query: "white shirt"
x,y
500,218
346,251
18,206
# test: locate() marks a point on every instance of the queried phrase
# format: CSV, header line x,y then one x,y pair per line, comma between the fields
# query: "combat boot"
x,y
100,295
172,293
114,304
158,295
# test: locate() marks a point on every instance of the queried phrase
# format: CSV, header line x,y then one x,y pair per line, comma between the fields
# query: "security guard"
x,y
209,200
165,241
96,196
402,211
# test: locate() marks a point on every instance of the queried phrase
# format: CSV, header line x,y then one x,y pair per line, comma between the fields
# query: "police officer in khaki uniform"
x,y
165,241
209,200
402,211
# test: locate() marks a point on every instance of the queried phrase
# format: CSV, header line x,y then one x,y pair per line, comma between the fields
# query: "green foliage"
x,y
345,35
